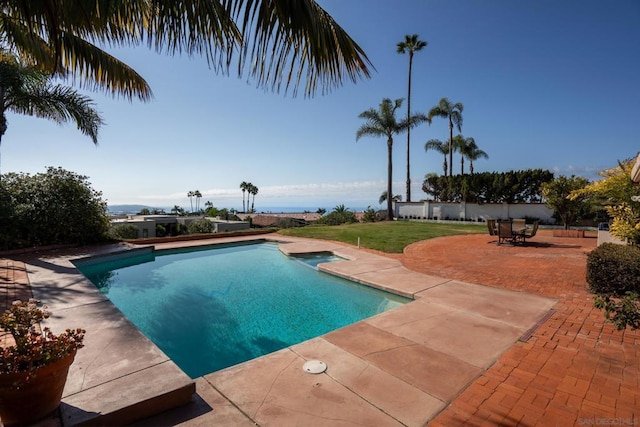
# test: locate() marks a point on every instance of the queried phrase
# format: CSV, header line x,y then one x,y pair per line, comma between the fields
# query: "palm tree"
x,y
27,90
244,186
440,147
340,209
383,198
253,190
453,112
474,153
410,44
383,122
460,145
198,195
274,42
468,149
190,195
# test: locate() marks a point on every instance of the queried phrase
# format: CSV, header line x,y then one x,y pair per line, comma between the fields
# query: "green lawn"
x,y
390,237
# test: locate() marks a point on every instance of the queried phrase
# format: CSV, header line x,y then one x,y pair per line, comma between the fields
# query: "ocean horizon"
x,y
134,209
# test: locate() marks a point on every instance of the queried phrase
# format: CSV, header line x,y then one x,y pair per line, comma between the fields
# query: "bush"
x,y
622,312
614,269
201,226
124,232
338,218
161,230
369,215
50,208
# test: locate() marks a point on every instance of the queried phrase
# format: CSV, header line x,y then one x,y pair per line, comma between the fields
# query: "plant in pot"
x,y
34,367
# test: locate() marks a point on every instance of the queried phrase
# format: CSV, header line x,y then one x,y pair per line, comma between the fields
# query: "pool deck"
x,y
429,358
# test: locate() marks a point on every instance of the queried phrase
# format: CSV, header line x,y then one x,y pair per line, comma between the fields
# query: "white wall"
x,y
472,211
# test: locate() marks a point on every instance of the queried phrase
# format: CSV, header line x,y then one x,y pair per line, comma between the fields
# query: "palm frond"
x,y
194,27
27,90
60,104
96,68
437,112
285,40
370,130
18,35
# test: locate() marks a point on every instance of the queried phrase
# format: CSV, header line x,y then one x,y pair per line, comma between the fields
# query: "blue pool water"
x,y
214,308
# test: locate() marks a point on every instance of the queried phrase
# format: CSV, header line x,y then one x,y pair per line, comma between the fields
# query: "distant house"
x,y
148,224
271,220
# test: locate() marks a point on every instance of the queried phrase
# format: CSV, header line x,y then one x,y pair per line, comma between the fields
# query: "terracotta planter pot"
x,y
24,402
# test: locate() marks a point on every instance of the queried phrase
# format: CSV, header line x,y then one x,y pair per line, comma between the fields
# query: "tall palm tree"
x,y
253,190
440,147
452,112
27,90
198,195
410,44
190,195
383,122
460,146
274,42
244,186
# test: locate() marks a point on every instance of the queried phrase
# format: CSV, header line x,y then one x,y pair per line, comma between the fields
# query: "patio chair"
x,y
530,232
518,224
505,231
491,225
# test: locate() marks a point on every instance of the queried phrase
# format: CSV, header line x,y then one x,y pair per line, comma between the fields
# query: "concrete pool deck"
x,y
401,367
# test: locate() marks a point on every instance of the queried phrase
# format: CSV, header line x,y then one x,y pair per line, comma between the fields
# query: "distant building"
x,y
148,224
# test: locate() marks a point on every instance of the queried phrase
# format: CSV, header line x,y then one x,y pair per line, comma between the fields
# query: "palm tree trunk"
x,y
389,178
450,147
408,198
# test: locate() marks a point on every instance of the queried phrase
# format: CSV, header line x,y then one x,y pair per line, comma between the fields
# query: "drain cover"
x,y
314,366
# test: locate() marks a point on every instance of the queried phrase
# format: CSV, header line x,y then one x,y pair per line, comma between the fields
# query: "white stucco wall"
x,y
472,211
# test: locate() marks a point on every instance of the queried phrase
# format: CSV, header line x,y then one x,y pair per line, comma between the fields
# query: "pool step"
x,y
130,398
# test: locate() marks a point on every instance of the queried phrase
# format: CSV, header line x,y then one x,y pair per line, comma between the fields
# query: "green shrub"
x,y
622,312
50,208
369,215
338,218
614,269
161,230
124,232
201,226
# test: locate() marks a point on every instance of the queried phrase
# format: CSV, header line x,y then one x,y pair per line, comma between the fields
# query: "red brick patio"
x,y
575,369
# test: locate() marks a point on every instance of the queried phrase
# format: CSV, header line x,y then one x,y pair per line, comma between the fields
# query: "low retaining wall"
x,y
568,233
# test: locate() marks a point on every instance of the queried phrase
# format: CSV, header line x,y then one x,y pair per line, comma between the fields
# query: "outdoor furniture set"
x,y
513,231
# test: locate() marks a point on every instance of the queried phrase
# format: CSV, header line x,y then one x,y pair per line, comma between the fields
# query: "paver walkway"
x,y
575,369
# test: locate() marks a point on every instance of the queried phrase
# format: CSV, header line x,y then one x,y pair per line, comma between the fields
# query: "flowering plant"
x,y
33,349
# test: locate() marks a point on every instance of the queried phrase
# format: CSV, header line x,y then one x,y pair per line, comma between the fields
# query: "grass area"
x,y
389,236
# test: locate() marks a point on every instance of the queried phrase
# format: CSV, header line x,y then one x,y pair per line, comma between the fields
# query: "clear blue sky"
x,y
545,84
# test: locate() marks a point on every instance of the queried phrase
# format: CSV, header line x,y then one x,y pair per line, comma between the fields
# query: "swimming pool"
x,y
212,308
